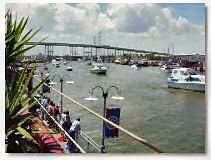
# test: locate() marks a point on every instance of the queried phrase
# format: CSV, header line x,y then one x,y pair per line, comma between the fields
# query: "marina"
x,y
106,78
159,110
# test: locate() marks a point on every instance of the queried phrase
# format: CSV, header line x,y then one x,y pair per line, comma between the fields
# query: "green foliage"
x,y
17,99
16,39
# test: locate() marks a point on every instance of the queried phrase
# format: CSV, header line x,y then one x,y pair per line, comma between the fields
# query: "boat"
x,y
124,61
117,61
45,67
98,68
186,78
58,59
57,65
164,68
69,68
53,62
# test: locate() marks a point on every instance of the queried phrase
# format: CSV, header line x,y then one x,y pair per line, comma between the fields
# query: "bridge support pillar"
x,y
45,50
96,51
83,51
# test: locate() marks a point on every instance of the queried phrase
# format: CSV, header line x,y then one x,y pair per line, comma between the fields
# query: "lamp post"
x,y
61,88
105,96
61,81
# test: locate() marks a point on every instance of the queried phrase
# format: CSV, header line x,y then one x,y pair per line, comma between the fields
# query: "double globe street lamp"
x,y
105,96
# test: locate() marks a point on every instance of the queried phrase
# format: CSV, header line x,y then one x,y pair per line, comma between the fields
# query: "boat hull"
x,y
69,69
163,69
99,71
187,86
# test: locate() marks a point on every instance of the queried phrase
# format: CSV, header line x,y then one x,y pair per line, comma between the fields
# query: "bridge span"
x,y
90,50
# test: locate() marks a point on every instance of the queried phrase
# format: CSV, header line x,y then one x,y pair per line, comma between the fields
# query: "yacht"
x,y
186,78
98,68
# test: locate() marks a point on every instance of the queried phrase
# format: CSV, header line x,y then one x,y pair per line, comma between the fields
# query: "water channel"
x,y
172,119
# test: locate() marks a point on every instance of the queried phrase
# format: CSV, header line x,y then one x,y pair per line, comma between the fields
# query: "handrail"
x,y
90,140
139,139
67,134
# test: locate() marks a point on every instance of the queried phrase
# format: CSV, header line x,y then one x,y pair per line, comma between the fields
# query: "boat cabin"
x,y
187,74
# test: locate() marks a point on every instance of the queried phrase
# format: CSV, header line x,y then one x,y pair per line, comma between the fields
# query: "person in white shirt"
x,y
74,132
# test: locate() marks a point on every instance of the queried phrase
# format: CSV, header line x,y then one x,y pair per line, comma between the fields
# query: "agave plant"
x,y
17,93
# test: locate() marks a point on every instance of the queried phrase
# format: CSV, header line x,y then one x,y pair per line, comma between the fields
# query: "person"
x,y
189,77
67,124
56,113
44,103
74,132
63,118
50,111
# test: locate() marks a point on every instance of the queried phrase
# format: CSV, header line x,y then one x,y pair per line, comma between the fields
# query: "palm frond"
x,y
16,99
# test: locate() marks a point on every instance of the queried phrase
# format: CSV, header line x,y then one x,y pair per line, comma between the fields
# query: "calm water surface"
x,y
174,120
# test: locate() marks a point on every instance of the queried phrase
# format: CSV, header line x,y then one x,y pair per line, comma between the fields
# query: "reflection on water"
x,y
174,120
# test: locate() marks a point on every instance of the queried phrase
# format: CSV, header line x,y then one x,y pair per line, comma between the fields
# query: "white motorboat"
x,y
186,78
164,68
98,68
69,68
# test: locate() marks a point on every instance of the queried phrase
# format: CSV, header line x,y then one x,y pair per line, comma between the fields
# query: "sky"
x,y
153,27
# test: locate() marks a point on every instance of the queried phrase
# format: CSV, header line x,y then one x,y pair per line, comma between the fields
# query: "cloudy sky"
x,y
153,27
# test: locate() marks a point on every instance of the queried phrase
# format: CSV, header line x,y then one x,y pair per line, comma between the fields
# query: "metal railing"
x,y
135,137
89,141
87,138
60,127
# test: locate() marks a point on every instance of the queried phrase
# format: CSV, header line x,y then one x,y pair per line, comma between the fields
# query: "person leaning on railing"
x,y
74,132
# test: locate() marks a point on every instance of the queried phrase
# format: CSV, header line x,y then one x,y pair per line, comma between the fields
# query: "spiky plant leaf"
x,y
16,100
25,134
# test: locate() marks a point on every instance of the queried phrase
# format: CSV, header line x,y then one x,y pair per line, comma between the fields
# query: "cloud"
x,y
134,18
143,26
148,20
